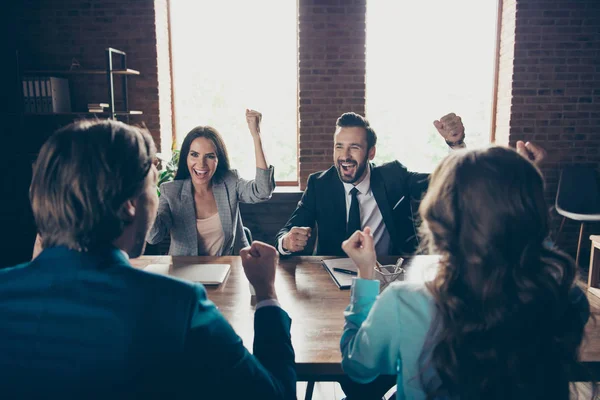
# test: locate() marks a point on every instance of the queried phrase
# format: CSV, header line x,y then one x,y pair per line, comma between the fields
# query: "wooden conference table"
x,y
315,304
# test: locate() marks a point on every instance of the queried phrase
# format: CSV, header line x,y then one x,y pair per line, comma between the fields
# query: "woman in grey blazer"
x,y
200,207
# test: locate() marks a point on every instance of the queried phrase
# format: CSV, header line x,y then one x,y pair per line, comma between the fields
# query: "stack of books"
x,y
97,107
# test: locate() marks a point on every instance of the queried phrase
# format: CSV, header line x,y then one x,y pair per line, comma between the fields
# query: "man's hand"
x,y
532,152
360,247
253,119
451,128
296,239
260,261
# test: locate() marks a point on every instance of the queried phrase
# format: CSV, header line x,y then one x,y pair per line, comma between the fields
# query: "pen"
x,y
399,201
345,271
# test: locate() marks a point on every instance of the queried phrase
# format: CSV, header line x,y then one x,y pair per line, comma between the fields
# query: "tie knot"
x,y
354,191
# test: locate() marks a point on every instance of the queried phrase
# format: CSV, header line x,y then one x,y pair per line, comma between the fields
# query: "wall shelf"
x,y
123,72
127,71
130,112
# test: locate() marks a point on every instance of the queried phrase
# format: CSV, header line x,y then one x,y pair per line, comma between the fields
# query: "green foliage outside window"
x,y
167,173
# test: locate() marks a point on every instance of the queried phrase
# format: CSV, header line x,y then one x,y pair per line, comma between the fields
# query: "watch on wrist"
x,y
457,143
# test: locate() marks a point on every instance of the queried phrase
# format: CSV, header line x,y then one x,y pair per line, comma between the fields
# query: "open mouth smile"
x,y
200,173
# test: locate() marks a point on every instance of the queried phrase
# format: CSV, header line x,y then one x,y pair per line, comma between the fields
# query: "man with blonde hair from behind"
x,y
79,322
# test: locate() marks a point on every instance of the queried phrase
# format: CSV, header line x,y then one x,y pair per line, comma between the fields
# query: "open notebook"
x,y
207,274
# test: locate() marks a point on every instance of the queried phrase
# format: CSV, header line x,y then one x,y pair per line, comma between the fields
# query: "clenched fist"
x,y
295,240
360,247
451,128
253,119
260,262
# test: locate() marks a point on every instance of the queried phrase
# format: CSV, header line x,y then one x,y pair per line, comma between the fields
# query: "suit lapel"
x,y
380,194
188,215
222,199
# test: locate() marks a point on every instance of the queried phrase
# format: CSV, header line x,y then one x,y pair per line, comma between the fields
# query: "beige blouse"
x,y
210,235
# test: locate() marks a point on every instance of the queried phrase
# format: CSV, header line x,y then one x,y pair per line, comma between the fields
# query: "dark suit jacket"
x,y
88,325
323,204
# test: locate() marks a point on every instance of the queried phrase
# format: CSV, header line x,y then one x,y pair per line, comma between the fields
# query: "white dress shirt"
x,y
369,215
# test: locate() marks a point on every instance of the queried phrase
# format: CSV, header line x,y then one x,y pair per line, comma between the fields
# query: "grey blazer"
x,y
177,213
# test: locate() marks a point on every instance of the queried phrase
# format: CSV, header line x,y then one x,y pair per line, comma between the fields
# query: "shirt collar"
x,y
364,186
124,254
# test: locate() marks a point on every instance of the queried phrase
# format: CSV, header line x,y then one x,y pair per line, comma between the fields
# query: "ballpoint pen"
x,y
345,271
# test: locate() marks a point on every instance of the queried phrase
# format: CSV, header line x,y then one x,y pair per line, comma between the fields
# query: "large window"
x,y
425,59
231,55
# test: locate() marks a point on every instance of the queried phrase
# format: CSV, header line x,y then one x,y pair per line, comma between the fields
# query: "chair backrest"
x,y
248,234
578,190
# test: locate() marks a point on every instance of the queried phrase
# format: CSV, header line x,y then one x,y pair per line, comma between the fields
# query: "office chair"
x,y
578,198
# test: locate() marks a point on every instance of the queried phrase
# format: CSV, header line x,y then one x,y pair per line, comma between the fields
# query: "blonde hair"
x,y
83,175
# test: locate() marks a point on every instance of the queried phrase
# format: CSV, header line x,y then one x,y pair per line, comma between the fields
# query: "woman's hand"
x,y
360,247
253,119
532,152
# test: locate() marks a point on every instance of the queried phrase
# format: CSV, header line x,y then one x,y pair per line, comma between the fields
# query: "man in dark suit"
x,y
79,322
355,193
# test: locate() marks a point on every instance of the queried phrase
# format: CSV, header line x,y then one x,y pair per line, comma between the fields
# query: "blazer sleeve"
x,y
370,340
221,364
164,220
305,214
258,189
415,182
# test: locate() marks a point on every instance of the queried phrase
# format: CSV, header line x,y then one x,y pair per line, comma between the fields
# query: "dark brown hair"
x,y
350,120
83,175
211,134
505,327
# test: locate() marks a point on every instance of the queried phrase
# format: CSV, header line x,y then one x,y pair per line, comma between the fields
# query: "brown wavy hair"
x,y
505,327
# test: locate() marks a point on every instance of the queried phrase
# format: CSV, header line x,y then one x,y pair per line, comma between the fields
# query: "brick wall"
x,y
55,32
555,87
506,66
331,75
163,66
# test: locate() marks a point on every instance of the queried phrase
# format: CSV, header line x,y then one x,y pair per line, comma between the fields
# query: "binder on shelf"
x,y
44,96
25,96
38,95
48,95
59,94
31,96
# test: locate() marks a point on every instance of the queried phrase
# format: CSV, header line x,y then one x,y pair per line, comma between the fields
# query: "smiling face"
x,y
202,160
350,153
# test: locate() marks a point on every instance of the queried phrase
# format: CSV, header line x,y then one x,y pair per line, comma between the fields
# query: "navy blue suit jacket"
x,y
323,204
88,325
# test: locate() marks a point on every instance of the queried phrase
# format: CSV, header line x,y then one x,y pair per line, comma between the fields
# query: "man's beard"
x,y
360,170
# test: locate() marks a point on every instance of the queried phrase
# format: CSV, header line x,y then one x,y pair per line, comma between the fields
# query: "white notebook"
x,y
207,274
342,270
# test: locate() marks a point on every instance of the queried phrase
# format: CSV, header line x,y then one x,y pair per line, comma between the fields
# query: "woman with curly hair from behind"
x,y
502,319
